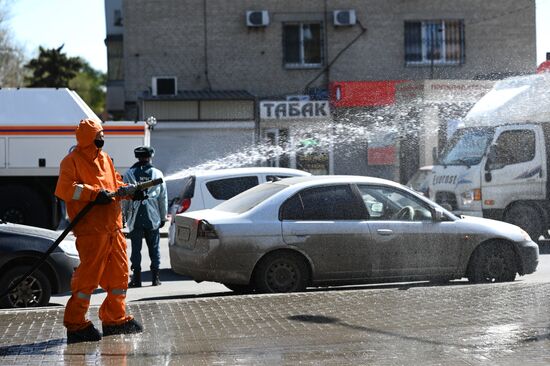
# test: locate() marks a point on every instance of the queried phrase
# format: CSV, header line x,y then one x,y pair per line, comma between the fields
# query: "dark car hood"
x,y
28,230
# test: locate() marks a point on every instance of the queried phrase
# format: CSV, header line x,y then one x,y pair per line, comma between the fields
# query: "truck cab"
x,y
496,164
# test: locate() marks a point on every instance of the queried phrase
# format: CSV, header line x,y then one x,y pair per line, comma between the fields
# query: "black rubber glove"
x,y
139,196
162,224
103,198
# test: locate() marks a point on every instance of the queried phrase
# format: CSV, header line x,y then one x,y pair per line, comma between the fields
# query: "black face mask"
x,y
99,143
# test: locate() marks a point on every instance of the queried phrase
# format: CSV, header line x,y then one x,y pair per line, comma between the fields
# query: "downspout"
x,y
325,29
209,86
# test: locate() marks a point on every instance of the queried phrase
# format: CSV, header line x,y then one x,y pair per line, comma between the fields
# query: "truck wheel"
x,y
22,205
526,217
33,291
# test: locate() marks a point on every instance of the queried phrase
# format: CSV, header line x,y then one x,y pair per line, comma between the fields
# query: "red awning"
x,y
362,93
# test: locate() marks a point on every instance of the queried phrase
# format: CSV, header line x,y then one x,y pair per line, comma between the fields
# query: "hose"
x,y
132,190
44,256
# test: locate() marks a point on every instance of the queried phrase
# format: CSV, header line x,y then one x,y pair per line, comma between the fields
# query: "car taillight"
x,y
185,204
205,230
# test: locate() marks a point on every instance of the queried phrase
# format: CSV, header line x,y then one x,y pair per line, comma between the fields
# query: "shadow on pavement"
x,y
166,275
182,297
398,286
321,319
37,348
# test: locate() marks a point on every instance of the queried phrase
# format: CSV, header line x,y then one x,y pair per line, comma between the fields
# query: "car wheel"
x,y
239,289
492,263
281,272
526,217
35,290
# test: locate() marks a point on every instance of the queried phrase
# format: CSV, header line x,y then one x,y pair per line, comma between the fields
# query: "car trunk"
x,y
188,225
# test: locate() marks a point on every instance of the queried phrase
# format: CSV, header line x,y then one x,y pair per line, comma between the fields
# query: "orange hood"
x,y
86,131
85,135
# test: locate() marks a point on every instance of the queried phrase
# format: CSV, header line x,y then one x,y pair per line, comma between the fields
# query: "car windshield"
x,y
467,146
250,198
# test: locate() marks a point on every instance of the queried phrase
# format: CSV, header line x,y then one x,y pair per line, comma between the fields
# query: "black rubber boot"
x,y
130,327
136,280
88,334
156,277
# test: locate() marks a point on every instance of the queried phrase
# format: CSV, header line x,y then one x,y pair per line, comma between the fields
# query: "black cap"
x,y
144,152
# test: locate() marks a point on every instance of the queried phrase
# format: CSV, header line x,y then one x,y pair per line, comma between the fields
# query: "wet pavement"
x,y
504,324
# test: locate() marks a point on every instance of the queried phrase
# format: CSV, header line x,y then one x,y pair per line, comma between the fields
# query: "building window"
x,y
118,18
165,85
303,45
438,42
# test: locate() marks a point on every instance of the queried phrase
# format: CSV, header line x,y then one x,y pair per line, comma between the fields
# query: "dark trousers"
x,y
152,239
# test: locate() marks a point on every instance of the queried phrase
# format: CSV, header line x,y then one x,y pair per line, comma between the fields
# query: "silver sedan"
x,y
287,235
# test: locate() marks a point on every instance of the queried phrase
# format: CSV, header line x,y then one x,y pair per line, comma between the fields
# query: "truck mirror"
x,y
491,158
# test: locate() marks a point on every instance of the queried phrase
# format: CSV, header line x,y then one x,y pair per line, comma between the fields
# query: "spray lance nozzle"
x,y
131,189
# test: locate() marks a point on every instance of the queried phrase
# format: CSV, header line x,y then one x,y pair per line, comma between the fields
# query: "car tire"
x,y
494,262
239,289
281,272
34,291
527,217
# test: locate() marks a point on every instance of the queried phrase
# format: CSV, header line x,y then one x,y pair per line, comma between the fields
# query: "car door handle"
x,y
384,232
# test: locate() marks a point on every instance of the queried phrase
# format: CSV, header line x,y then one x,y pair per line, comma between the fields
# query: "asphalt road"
x,y
178,287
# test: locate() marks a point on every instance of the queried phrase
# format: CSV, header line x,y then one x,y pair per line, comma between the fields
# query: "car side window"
x,y
392,204
323,203
224,189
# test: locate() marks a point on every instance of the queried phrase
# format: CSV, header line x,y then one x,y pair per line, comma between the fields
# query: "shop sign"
x,y
318,109
384,155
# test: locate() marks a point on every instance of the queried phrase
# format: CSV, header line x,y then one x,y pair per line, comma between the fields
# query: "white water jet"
x,y
349,128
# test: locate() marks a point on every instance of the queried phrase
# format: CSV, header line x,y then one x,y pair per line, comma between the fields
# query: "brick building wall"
x,y
167,37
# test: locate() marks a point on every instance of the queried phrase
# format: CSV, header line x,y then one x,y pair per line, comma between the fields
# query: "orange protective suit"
x,y
100,243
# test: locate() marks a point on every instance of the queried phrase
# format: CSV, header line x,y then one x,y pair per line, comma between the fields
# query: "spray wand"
x,y
121,192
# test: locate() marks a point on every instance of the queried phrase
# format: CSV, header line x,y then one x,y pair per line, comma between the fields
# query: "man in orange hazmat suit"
x,y
87,174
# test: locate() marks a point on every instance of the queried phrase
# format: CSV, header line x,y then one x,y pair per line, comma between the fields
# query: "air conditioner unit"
x,y
344,17
297,97
257,18
164,85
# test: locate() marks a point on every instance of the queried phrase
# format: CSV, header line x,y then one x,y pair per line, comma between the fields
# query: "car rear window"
x,y
224,189
251,198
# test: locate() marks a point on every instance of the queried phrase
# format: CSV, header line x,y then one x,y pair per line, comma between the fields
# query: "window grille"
x,y
439,42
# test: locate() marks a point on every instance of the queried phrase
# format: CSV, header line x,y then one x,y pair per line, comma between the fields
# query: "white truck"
x,y
496,165
37,130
